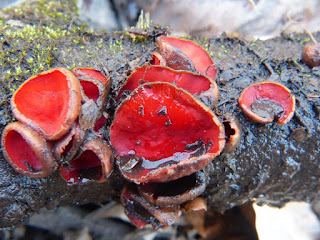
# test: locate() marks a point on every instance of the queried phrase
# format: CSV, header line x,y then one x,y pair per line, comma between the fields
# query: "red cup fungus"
x,y
157,59
232,130
49,102
26,151
141,213
162,133
93,163
175,192
174,57
262,102
181,54
94,85
94,89
101,122
205,88
311,55
66,148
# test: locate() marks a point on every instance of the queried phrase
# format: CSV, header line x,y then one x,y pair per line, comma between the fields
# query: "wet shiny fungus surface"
x,y
154,123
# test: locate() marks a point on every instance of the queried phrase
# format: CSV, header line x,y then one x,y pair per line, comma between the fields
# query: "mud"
x,y
273,164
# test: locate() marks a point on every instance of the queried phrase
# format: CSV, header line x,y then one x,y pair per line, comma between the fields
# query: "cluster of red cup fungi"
x,y
163,135
54,128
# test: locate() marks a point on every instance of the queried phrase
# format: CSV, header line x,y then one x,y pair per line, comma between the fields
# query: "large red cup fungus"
x,y
175,192
201,60
264,101
311,55
94,85
162,133
141,213
26,151
93,163
49,102
200,85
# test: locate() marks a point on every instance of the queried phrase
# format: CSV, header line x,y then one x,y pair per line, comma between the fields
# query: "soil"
x,y
273,164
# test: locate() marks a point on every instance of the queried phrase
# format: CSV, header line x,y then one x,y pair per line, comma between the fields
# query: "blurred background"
x,y
257,18
250,19
254,18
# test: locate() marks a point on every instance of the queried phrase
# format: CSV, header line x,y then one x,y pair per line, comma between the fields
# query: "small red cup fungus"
x,y
26,151
141,213
94,89
201,60
93,163
162,133
157,59
94,85
311,55
67,147
232,130
262,102
200,85
175,192
49,102
100,124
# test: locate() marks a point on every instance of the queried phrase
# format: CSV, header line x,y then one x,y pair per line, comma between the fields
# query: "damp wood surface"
x,y
273,164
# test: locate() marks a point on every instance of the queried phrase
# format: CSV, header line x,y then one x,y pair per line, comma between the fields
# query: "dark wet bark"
x,y
273,164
